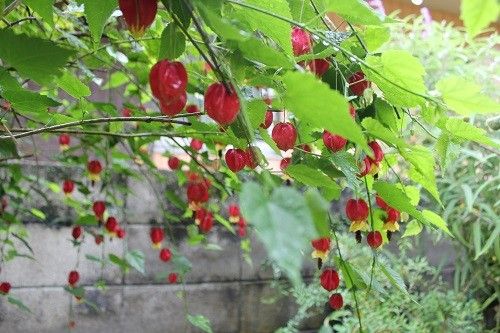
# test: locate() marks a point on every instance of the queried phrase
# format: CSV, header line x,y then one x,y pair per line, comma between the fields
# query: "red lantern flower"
x,y
111,225
250,158
221,105
196,144
235,159
76,232
165,255
204,219
374,239
358,84
197,193
192,108
5,288
94,168
234,213
126,112
64,141
285,162
378,154
68,187
120,233
333,142
168,79
157,235
73,278
367,167
99,207
321,247
172,278
336,301
357,212
381,203
173,163
268,120
391,222
98,239
301,41
319,66
284,135
139,14
172,105
329,279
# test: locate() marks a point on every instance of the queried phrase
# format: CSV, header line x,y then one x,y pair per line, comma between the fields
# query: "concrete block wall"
x,y
221,286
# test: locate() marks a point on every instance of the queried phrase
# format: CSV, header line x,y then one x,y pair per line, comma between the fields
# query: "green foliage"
x,y
278,218
478,14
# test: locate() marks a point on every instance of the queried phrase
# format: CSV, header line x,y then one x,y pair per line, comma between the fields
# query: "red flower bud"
x,y
352,111
204,219
120,233
76,232
358,84
393,215
242,231
321,244
98,239
126,112
365,167
333,142
172,278
139,14
221,105
173,163
381,203
374,239
356,210
5,288
196,144
197,192
68,186
329,279
301,41
157,235
167,80
111,224
99,207
378,154
268,120
285,162
250,158
336,301
94,167
235,159
165,255
73,278
234,210
64,140
284,135
319,66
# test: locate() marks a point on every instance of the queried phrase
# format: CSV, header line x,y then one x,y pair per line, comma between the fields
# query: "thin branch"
x,y
147,119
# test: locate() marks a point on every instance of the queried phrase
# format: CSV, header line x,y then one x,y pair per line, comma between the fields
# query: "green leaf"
x,y
375,36
225,223
493,237
173,43
201,322
257,51
87,220
38,213
283,223
396,198
310,176
274,28
413,228
319,208
267,139
354,11
43,65
25,101
8,148
381,132
314,103
478,14
19,304
349,274
256,111
97,13
72,85
43,8
135,259
463,130
75,291
436,221
464,96
399,75
122,263
394,278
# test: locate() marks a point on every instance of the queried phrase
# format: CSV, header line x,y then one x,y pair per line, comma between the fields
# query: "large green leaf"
x,y
26,101
135,259
314,103
464,96
283,223
460,129
275,28
354,11
319,210
201,322
41,65
478,14
97,13
72,85
381,132
44,8
436,221
399,75
311,176
173,43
